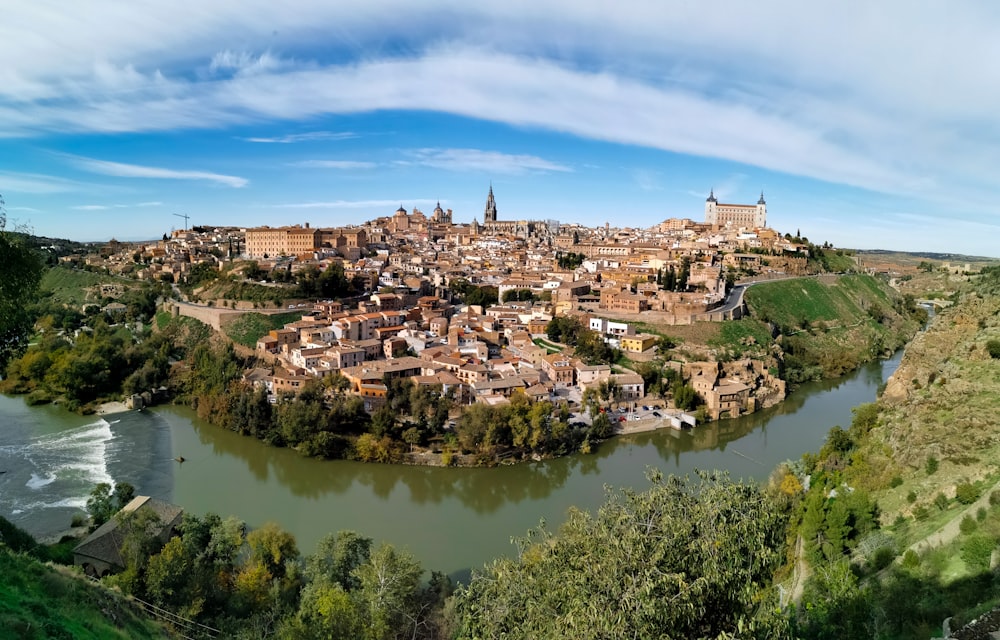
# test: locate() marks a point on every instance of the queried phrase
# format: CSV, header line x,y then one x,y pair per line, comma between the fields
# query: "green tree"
x,y
388,591
682,560
22,271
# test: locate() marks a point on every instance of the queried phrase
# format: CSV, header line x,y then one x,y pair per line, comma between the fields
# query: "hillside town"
x,y
405,316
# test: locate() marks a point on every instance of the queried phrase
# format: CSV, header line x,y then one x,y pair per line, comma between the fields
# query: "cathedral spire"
x,y
490,214
711,196
761,201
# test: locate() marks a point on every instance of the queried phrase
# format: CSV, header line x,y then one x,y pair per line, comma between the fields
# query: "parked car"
x,y
645,408
621,418
657,414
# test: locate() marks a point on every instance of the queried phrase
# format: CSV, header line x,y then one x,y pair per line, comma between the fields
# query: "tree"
x,y
682,560
22,271
389,586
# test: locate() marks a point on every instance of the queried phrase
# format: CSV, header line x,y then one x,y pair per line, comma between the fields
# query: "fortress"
x,y
734,216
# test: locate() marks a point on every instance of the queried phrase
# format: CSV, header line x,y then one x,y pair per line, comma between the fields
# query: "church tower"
x,y
711,209
760,220
490,214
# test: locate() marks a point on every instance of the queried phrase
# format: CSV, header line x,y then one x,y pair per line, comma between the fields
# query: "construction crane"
x,y
185,216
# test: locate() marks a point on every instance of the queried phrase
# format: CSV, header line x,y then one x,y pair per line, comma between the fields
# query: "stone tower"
x,y
490,214
711,209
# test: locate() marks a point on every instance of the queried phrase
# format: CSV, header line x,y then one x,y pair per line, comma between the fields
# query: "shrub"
x,y
932,465
966,493
941,501
976,552
968,525
994,498
895,482
911,497
910,559
993,348
78,520
981,514
921,512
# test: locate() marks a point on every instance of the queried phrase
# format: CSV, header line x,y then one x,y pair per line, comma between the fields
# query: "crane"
x,y
185,216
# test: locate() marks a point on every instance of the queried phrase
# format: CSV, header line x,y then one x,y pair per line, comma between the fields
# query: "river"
x,y
450,519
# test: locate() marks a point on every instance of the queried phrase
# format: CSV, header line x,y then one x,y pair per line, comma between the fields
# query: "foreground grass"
x,y
39,601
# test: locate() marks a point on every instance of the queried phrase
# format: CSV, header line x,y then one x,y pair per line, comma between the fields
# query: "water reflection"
x,y
800,421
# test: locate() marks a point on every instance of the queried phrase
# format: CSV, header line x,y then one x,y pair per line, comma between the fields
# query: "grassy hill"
x,y
926,453
831,324
250,327
70,286
42,601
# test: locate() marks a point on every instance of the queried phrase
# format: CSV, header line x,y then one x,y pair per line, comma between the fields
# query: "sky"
x,y
867,125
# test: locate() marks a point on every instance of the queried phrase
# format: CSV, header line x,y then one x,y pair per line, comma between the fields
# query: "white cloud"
x,y
13,182
823,90
334,164
137,171
312,136
246,63
484,161
102,207
356,204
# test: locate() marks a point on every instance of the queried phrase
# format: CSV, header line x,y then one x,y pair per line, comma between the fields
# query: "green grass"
x,y
163,319
38,601
250,327
794,303
69,286
742,337
548,346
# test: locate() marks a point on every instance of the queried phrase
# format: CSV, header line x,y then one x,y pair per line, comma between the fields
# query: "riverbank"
x,y
109,408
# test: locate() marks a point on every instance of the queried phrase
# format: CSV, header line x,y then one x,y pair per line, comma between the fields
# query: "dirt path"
x,y
801,573
952,528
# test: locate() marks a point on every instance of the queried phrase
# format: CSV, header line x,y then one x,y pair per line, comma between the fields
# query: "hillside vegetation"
x,y
74,287
248,328
40,601
901,520
830,325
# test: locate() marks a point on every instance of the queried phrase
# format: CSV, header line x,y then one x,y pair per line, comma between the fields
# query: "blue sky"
x,y
869,125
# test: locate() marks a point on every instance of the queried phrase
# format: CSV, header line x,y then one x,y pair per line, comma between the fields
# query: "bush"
x,y
932,465
941,501
78,520
921,512
976,552
968,525
895,482
994,498
910,559
993,348
966,493
911,497
981,514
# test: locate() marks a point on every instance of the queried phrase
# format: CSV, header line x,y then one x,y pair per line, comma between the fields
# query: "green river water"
x,y
452,520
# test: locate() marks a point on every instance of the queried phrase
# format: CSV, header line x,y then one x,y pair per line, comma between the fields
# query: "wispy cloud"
x,y
355,204
333,164
123,170
647,179
103,207
481,161
35,183
312,136
246,63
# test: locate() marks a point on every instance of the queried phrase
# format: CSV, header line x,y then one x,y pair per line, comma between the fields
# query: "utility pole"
x,y
185,216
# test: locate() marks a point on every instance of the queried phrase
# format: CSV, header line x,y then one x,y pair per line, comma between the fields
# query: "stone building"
x,y
720,215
